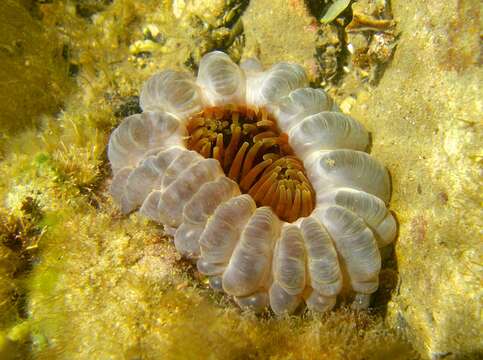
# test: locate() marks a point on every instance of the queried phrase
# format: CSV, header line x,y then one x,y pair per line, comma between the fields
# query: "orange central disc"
x,y
254,152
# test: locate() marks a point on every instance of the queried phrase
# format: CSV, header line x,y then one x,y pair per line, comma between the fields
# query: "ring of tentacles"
x,y
260,180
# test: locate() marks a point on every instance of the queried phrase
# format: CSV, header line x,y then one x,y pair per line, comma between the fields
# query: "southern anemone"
x,y
261,181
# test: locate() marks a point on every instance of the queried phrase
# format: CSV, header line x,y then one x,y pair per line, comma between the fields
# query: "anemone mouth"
x,y
255,153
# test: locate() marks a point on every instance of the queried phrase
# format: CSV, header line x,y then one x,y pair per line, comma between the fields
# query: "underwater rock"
x,y
424,114
370,39
213,24
33,72
214,13
271,38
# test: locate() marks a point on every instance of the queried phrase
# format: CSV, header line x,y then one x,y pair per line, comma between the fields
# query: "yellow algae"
x,y
425,116
34,73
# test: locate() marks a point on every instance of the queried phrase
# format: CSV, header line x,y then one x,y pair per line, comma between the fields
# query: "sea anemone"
x,y
261,181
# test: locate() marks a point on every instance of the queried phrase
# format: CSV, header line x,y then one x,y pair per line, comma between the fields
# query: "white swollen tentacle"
x,y
222,81
299,104
147,175
288,271
249,265
197,211
269,87
179,192
247,251
369,207
173,92
322,265
356,246
130,187
327,130
228,219
333,169
138,134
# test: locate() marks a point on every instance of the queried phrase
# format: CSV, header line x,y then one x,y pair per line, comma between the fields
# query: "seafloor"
x,y
80,281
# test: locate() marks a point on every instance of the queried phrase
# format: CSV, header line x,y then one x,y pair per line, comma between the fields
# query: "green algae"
x,y
334,10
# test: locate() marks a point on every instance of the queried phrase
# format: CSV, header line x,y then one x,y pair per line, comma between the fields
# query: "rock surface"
x,y
30,81
425,117
284,30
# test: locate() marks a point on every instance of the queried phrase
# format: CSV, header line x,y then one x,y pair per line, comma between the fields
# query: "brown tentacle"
x,y
254,152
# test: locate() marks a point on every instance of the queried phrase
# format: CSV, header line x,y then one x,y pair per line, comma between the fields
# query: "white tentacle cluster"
x,y
248,251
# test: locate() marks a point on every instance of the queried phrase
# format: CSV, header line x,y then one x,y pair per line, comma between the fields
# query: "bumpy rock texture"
x,y
307,42
80,281
425,116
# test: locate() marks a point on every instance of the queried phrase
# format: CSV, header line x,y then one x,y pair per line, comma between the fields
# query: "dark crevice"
x,y
343,55
86,8
317,7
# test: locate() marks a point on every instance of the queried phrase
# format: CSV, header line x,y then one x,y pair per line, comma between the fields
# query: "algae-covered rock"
x,y
425,117
34,71
283,30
